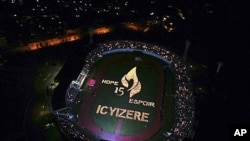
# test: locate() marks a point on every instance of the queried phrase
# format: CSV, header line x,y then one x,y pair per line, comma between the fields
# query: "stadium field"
x,y
129,91
132,98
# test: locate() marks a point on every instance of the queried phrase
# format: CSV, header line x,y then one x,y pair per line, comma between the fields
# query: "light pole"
x,y
187,45
220,64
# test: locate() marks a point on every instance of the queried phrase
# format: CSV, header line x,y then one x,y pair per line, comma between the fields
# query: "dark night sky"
x,y
220,36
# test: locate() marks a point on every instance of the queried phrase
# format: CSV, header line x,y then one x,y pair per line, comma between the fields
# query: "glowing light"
x,y
91,82
102,30
146,29
48,43
132,26
136,87
181,14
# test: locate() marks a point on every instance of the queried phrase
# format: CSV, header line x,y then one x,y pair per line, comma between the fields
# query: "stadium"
x,y
129,91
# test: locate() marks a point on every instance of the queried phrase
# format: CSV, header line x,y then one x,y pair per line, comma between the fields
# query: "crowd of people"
x,y
65,119
184,121
71,94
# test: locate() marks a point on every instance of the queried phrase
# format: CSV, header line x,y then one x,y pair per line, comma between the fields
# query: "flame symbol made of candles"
x,y
136,87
